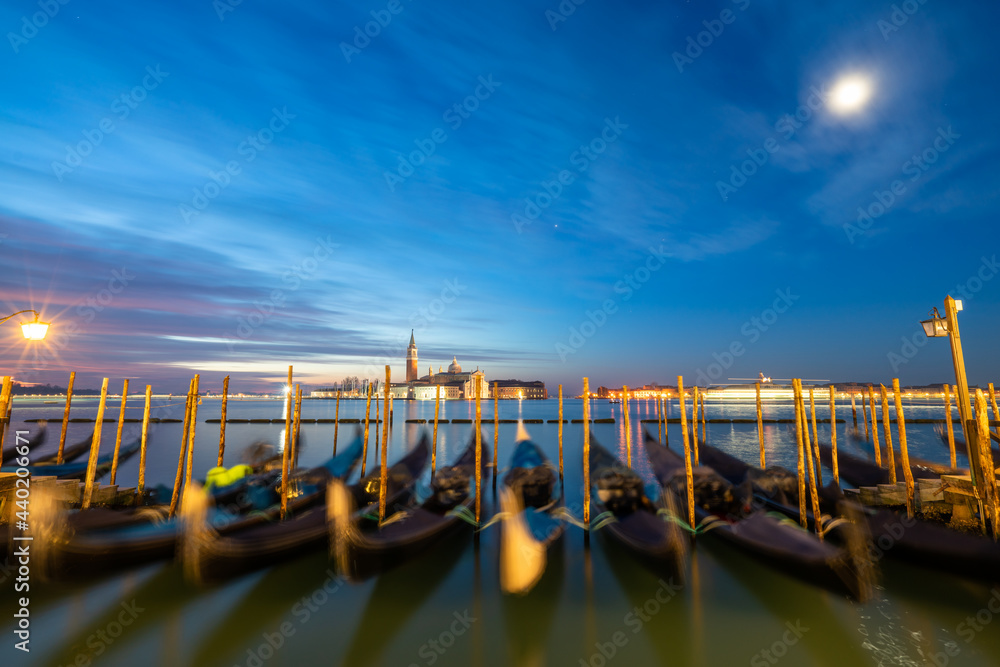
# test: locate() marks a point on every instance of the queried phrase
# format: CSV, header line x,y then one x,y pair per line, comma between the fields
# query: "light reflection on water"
x,y
729,611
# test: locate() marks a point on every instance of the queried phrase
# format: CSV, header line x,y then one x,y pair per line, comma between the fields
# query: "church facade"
x,y
453,384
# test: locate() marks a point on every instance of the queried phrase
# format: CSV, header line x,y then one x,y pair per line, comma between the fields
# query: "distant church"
x,y
454,383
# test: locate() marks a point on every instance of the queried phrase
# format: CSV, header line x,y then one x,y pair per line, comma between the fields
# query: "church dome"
x,y
453,367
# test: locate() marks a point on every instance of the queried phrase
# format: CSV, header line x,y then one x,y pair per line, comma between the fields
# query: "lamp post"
x,y
33,330
938,327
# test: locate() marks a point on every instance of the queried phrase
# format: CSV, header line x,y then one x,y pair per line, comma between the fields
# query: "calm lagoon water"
x,y
594,606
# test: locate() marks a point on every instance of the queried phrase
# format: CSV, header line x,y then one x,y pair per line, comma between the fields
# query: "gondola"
x,y
916,541
16,449
212,558
101,539
618,492
361,553
727,514
70,453
529,494
78,469
960,445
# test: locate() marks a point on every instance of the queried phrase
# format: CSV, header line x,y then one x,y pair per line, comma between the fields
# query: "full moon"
x,y
849,94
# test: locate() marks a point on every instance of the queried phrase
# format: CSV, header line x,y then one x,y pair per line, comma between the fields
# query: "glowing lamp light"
x,y
850,94
936,326
34,330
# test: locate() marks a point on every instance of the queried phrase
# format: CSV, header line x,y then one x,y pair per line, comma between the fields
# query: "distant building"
x,y
411,360
518,389
454,383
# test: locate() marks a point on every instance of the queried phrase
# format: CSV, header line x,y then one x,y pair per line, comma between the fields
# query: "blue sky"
x,y
634,269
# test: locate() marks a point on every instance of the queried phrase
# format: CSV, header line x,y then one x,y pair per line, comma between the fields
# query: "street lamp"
x,y
938,327
33,330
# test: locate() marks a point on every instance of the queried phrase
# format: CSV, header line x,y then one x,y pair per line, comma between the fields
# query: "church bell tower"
x,y
411,360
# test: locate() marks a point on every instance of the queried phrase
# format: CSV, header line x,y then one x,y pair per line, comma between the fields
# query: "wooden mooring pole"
x,y
496,429
815,438
864,413
383,467
903,453
65,421
479,450
659,420
296,426
813,472
875,443
987,465
364,447
560,434
141,487
688,468
833,433
286,452
854,411
194,424
179,478
95,447
627,425
760,428
586,457
434,450
694,425
993,402
801,465
336,423
887,431
118,433
704,428
949,425
222,420
6,396
666,427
